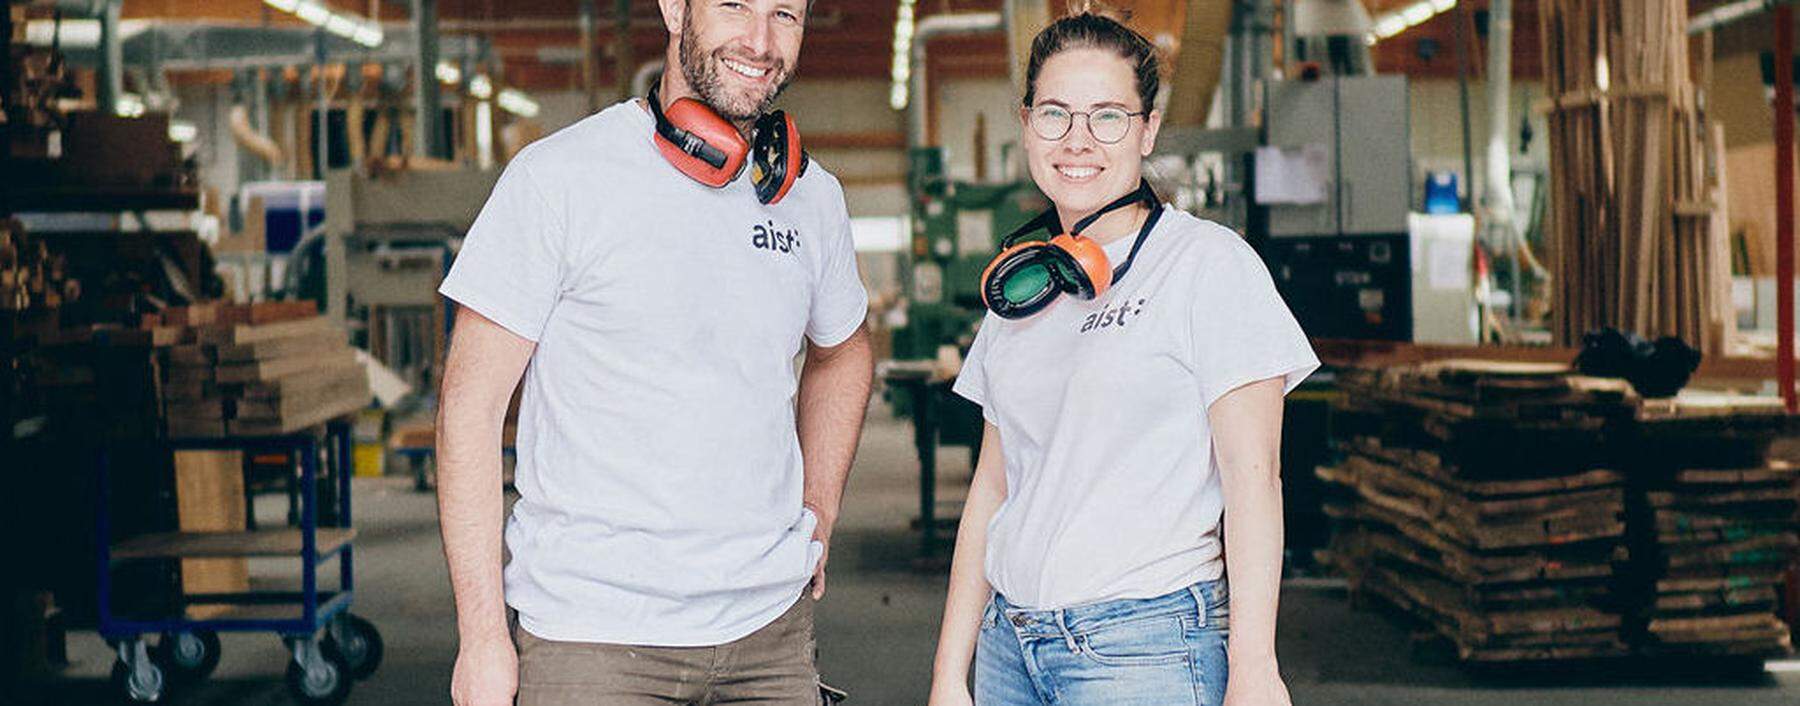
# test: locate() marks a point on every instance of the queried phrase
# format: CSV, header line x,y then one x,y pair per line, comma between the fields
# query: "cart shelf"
x,y
189,545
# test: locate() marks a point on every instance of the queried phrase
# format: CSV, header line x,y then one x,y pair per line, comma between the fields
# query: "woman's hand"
x,y
950,692
1255,683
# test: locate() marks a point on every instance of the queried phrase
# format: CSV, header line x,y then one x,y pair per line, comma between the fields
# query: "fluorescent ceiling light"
x,y
183,131
480,87
312,13
517,103
448,73
1397,21
901,72
369,35
130,105
341,26
346,25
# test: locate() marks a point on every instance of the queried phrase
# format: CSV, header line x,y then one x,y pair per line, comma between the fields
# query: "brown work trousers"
x,y
773,665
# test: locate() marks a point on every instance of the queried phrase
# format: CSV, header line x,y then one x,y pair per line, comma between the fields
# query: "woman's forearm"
x,y
969,590
1246,427
1253,547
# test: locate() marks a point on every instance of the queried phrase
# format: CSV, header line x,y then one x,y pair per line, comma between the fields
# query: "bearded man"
x,y
678,480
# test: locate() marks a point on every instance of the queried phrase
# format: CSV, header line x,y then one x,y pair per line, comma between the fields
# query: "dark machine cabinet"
x,y
1345,287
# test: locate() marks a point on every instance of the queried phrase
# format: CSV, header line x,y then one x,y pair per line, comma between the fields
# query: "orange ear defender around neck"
x,y
1025,278
710,150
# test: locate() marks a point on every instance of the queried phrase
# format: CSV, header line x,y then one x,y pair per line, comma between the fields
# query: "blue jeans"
x,y
1162,651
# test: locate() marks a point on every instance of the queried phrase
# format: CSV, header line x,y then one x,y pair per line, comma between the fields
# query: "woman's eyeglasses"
x,y
1108,125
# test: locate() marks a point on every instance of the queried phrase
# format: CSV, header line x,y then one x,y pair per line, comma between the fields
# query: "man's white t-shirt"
x,y
1112,488
659,469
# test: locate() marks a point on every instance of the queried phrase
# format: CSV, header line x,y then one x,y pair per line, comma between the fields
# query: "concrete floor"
x,y
878,624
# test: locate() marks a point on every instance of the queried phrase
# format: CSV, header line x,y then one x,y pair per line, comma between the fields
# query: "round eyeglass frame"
x,y
1031,118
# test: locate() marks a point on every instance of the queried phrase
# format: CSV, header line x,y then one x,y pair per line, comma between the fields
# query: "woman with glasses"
x,y
1131,372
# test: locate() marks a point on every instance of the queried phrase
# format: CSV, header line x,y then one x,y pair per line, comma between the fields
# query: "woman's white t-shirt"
x,y
1112,488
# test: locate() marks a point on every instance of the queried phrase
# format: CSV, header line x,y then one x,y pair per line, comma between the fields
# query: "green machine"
x,y
956,230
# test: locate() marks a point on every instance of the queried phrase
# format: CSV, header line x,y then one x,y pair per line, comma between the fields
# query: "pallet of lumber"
x,y
1471,496
1526,513
1721,523
260,369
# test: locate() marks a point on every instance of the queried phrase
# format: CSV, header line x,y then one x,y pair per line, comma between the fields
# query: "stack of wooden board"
x,y
1719,521
1473,501
257,370
1639,224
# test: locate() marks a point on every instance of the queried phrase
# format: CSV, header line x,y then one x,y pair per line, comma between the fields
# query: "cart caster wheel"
x,y
326,683
187,657
355,642
139,686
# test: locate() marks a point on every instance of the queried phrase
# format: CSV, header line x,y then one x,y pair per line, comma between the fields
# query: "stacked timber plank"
x,y
1719,521
1475,499
257,370
1639,223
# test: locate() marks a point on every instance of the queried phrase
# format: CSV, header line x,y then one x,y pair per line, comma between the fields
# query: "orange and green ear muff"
x,y
1026,278
1021,281
1091,273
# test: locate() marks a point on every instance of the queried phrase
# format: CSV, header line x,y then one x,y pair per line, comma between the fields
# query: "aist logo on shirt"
x,y
766,236
1112,317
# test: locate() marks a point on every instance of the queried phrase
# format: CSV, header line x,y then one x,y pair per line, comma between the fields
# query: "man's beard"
x,y
701,69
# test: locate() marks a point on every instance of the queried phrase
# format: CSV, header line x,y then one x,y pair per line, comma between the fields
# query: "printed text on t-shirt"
x,y
769,237
1110,317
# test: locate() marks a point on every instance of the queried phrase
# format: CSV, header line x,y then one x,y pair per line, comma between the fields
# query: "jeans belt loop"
x,y
1063,624
1199,603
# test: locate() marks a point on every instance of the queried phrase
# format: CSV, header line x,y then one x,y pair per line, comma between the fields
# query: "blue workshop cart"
x,y
330,647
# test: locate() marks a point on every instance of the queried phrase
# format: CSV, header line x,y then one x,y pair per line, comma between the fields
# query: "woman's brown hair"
x,y
1094,27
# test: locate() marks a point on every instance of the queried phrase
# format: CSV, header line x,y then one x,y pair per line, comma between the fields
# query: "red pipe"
x,y
1784,204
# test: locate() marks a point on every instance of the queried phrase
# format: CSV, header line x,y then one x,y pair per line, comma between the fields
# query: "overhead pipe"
x,y
926,30
1731,12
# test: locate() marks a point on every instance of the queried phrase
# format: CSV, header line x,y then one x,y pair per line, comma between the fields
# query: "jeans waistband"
x,y
1191,600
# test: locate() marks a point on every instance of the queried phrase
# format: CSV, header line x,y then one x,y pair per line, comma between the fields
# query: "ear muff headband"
x,y
710,150
1025,277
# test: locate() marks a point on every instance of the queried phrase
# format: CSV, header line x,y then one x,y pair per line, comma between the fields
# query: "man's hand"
x,y
486,674
822,535
1255,682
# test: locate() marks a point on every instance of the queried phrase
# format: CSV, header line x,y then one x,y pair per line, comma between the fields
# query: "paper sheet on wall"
x,y
1292,175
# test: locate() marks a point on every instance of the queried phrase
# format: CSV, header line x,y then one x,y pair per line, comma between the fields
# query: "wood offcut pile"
x,y
31,277
1476,501
1639,229
1718,525
251,370
1529,514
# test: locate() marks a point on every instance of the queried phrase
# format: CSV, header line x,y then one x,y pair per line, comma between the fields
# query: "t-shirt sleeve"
x,y
1241,330
972,381
511,263
840,302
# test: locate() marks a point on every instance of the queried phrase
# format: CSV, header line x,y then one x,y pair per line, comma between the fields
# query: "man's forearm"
x,y
471,511
834,395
